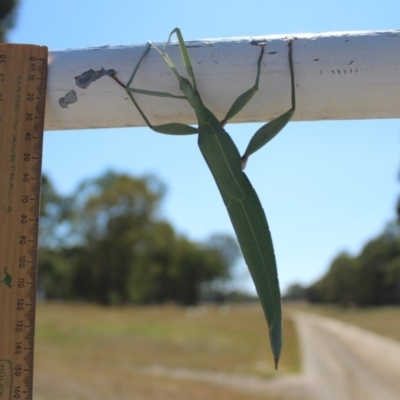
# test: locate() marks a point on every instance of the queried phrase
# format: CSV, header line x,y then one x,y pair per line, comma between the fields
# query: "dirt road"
x,y
344,362
340,362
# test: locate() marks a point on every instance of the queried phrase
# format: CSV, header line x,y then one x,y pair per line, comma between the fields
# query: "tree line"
x,y
371,278
106,243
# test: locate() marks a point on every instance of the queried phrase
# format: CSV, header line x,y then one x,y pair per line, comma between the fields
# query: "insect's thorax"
x,y
204,116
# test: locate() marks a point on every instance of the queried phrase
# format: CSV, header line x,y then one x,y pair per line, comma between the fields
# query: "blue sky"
x,y
325,186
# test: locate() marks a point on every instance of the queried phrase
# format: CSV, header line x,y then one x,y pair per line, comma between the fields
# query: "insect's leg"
x,y
185,55
172,128
244,98
272,128
141,91
138,65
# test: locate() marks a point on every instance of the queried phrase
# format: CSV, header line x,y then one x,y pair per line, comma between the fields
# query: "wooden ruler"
x,y
23,72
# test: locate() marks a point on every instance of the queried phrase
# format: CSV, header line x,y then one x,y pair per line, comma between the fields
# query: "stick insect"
x,y
226,165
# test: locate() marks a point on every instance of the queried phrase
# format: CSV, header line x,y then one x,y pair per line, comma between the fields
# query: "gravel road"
x,y
340,362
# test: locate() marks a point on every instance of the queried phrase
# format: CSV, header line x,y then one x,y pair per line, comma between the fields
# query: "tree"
x,y
114,215
392,280
54,272
197,265
375,264
113,203
118,250
56,213
295,292
7,16
338,285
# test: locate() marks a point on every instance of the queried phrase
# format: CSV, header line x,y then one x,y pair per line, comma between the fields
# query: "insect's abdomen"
x,y
222,157
248,220
251,228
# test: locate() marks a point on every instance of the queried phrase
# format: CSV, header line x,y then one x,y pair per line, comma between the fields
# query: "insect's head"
x,y
187,88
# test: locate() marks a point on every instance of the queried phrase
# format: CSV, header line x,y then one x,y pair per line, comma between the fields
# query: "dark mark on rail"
x,y
69,98
86,78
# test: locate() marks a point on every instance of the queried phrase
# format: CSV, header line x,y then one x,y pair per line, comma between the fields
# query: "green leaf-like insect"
x,y
226,164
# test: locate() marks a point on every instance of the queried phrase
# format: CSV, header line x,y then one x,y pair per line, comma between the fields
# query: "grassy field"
x,y
384,320
91,352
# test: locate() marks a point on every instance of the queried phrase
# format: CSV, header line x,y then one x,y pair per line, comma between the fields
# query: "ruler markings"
x,y
23,70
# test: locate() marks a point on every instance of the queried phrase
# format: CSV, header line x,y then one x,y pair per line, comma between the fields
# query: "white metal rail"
x,y
339,75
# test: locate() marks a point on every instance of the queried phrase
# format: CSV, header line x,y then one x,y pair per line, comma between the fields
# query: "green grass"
x,y
383,320
92,352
